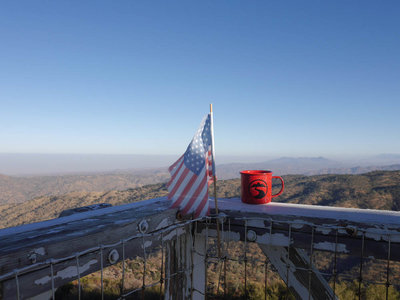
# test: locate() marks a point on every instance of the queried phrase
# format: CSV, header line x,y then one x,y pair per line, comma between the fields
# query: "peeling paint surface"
x,y
312,211
298,224
331,247
163,223
276,239
69,272
325,220
323,230
83,216
40,251
173,234
383,234
256,223
147,244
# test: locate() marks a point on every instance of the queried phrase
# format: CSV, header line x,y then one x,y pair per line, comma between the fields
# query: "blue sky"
x,y
297,78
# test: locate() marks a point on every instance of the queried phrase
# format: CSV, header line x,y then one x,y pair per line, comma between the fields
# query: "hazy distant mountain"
x,y
280,166
302,160
22,164
301,165
381,159
355,170
388,156
21,189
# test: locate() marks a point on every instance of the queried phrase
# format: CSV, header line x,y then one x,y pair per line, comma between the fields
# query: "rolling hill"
x,y
374,190
15,190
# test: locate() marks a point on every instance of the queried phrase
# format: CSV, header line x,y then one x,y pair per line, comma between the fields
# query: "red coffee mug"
x,y
257,186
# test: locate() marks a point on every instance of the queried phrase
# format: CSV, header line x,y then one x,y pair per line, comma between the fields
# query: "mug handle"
x,y
283,186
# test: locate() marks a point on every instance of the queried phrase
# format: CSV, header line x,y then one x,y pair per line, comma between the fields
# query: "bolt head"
x,y
143,226
251,236
113,256
33,258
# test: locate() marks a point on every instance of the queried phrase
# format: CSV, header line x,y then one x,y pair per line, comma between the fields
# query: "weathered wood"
x,y
178,263
34,245
198,267
185,268
77,210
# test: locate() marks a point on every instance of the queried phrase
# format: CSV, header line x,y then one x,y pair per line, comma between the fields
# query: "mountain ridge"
x,y
17,189
374,190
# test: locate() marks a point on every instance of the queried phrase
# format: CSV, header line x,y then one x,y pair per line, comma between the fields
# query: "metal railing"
x,y
180,260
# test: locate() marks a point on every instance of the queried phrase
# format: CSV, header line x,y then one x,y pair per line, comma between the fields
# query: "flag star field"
x,y
196,152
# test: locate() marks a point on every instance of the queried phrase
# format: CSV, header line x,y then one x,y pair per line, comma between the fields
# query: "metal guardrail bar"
x,y
344,228
29,253
30,249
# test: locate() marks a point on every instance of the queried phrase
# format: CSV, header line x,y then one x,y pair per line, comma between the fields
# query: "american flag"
x,y
192,173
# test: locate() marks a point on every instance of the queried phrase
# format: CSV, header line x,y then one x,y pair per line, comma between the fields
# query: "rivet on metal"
x,y
143,226
113,256
32,257
251,235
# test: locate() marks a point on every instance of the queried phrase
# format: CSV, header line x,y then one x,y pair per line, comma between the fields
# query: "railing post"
x,y
175,267
185,270
198,265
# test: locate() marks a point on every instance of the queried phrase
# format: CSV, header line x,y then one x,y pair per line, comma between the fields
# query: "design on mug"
x,y
258,188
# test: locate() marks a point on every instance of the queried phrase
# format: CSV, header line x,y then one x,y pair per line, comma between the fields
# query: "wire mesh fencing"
x,y
245,272
165,261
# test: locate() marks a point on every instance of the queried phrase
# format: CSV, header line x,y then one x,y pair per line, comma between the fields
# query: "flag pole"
x,y
215,179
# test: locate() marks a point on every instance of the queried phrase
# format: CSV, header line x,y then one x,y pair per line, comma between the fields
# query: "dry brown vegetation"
x,y
15,190
49,207
375,190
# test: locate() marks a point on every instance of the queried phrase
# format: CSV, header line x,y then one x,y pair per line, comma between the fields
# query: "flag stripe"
x,y
201,206
174,164
205,210
201,188
204,200
175,173
184,193
191,192
203,193
182,180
